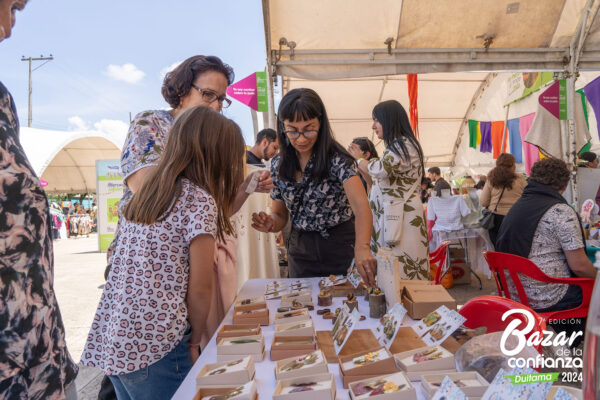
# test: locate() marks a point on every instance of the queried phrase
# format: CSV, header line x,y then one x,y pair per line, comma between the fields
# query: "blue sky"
x,y
89,83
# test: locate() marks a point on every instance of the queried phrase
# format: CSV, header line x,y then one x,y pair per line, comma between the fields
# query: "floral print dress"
x,y
34,361
394,177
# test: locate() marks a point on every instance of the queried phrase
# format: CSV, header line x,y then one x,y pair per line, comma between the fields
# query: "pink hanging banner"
x,y
251,91
554,99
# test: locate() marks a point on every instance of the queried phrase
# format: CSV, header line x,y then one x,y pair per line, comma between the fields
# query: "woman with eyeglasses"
x,y
398,216
317,186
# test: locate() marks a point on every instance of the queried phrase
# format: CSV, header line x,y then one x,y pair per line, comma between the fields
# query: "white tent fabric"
x,y
67,159
340,49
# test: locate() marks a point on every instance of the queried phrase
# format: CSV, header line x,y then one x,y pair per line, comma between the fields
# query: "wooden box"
x,y
288,317
405,392
237,372
351,372
248,391
292,346
252,303
471,383
302,328
238,330
259,316
359,340
432,359
288,367
346,288
324,388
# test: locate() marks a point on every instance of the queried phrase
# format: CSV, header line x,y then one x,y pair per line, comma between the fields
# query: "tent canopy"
x,y
356,54
67,159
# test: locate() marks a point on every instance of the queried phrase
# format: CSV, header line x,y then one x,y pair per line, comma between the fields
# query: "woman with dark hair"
x,y
543,227
317,187
398,214
368,151
502,189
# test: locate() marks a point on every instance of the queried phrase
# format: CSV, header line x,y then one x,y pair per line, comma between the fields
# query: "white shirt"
x,y
448,212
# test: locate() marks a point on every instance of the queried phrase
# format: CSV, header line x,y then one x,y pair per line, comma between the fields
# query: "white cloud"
x,y
111,127
169,68
127,73
77,123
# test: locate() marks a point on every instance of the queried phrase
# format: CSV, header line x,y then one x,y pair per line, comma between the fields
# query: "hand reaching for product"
x,y
262,222
366,265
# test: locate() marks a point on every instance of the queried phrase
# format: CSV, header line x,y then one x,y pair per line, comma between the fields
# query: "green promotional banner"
x,y
562,100
522,84
532,378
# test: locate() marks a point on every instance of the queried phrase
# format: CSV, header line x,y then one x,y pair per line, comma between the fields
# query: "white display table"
x,y
265,375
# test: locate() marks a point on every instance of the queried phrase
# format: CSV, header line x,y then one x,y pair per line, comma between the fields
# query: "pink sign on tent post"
x,y
245,91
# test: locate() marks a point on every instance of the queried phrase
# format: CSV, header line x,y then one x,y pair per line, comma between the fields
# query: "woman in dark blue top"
x,y
317,186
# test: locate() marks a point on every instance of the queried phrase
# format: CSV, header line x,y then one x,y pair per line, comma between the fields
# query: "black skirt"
x,y
310,254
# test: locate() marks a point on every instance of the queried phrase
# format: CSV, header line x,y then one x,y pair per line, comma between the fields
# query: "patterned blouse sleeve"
x,y
276,191
199,213
566,225
342,169
143,145
381,167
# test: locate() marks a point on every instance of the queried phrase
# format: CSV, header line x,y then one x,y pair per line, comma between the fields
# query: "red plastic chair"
x,y
488,310
440,257
515,265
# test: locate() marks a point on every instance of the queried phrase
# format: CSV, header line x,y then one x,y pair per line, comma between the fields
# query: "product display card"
x,y
307,360
366,359
378,386
449,391
502,387
226,367
429,354
276,294
247,391
391,322
294,326
276,286
347,323
353,276
306,386
562,394
300,284
332,280
438,325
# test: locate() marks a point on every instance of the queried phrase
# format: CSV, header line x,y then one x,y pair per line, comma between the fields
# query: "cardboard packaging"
x,y
259,316
291,316
433,359
577,393
237,372
420,300
303,296
302,328
406,390
461,273
471,383
456,253
306,365
247,391
252,303
292,346
238,330
383,364
323,388
228,350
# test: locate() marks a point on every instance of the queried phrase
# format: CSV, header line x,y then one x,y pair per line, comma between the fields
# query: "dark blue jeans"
x,y
159,380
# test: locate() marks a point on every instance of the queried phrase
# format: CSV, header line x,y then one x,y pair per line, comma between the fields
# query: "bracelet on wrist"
x,y
359,160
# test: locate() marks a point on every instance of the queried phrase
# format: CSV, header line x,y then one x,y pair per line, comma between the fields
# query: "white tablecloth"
x,y
265,371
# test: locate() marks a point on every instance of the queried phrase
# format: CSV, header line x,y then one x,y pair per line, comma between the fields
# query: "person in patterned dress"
x,y
317,186
155,305
397,178
34,361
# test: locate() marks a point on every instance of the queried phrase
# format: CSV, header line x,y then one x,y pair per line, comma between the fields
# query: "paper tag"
x,y
449,391
391,323
345,328
438,325
253,184
337,280
353,276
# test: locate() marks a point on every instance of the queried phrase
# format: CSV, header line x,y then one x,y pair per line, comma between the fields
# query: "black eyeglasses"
x,y
296,134
210,96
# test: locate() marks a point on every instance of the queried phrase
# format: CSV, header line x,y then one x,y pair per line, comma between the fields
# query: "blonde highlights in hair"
x,y
207,149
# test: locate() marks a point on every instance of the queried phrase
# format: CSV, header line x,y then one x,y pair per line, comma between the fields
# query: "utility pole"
x,y
31,59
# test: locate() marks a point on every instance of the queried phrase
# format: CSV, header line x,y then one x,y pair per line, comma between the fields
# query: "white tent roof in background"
x,y
67,159
340,49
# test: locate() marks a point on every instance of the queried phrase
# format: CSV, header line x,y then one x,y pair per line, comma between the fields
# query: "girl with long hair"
x,y
368,151
397,177
502,189
153,311
317,186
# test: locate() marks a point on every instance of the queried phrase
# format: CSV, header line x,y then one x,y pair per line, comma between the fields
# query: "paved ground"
x,y
78,282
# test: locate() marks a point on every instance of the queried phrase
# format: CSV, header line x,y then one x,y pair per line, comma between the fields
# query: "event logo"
x,y
527,337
